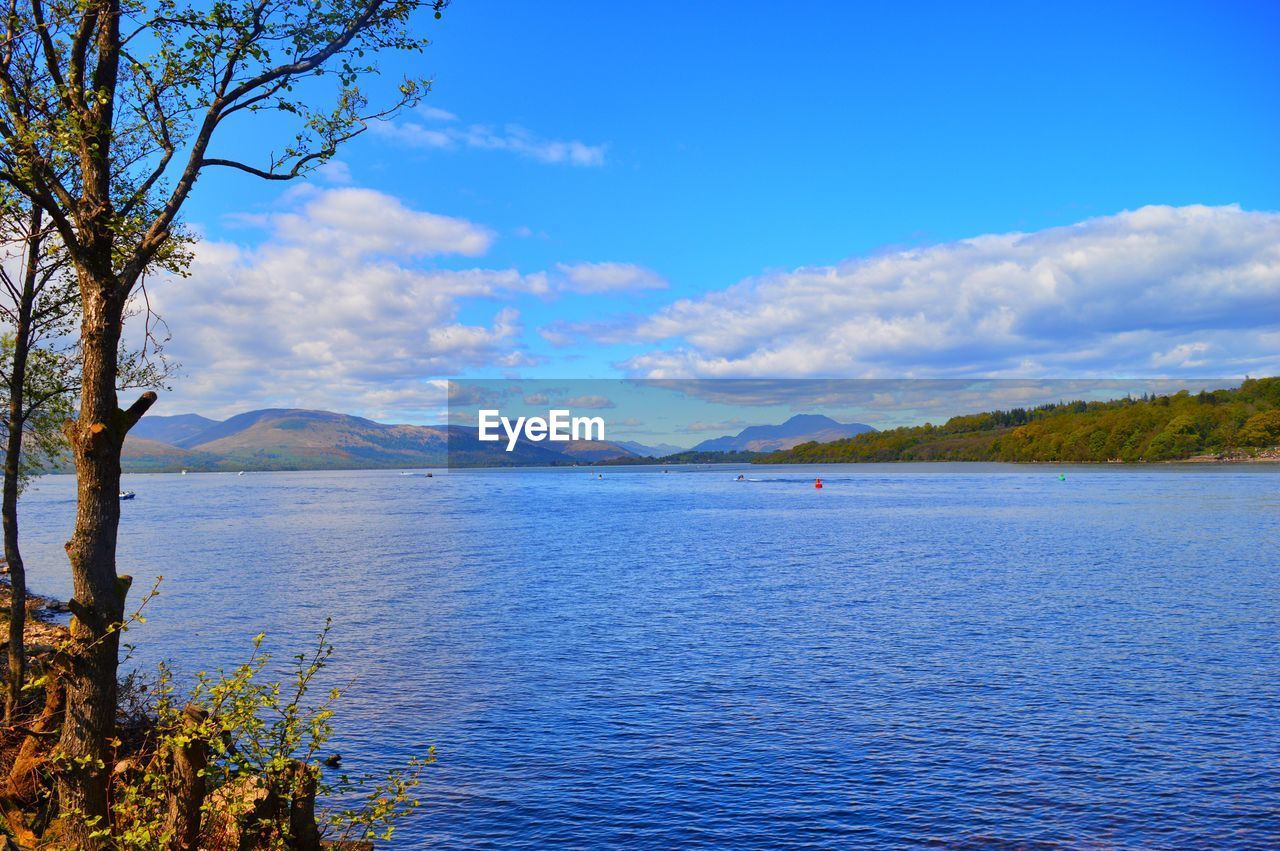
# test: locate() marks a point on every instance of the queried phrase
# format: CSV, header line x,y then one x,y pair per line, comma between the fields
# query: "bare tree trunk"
x,y
17,571
12,468
302,808
98,605
187,785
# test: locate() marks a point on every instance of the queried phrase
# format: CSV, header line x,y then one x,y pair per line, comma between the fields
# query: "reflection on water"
x,y
914,653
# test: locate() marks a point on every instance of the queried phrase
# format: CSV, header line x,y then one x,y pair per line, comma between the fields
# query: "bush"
x,y
238,754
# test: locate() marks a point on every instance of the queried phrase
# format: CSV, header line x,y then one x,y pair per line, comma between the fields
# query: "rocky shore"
x,y
1263,456
42,632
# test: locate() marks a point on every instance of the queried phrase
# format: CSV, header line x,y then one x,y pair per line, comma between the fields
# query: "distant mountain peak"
x,y
800,428
812,422
810,418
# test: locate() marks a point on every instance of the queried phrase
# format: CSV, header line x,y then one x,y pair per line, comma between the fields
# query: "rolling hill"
x,y
295,439
172,430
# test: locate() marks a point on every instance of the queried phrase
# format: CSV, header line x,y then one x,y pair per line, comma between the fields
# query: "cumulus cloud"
x,y
339,308
360,224
1152,291
436,128
608,278
1183,356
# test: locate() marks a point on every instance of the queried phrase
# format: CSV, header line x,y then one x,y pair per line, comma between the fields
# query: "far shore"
x,y
1270,456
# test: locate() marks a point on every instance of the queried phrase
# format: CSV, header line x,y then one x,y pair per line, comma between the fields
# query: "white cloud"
x,y
334,173
1183,355
343,307
1197,286
434,113
338,309
416,135
429,127
556,337
360,223
594,402
608,277
725,426
518,140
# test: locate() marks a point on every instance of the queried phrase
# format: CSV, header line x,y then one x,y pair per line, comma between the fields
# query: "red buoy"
x,y
817,483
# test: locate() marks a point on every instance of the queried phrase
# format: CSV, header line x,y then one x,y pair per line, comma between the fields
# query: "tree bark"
x,y
187,785
12,555
96,440
12,470
303,829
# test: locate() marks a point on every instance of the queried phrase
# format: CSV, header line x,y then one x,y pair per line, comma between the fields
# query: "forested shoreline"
x,y
1240,423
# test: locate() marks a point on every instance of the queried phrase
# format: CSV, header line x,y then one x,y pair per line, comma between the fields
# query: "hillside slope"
x,y
295,439
1240,422
173,430
802,428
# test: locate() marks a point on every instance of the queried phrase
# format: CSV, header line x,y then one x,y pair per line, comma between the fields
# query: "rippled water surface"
x,y
915,654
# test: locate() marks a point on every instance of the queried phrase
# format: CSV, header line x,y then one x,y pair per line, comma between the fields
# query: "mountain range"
x,y
650,450
295,439
802,428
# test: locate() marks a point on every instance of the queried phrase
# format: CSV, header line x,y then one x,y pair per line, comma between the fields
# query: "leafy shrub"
x,y
256,743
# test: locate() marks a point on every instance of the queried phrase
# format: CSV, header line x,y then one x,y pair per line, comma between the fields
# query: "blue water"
x,y
915,654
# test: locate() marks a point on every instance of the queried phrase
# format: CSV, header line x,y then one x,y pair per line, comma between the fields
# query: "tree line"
x,y
1227,423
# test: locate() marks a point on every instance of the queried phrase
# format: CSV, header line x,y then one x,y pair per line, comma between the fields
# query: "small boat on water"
x,y
241,473
127,494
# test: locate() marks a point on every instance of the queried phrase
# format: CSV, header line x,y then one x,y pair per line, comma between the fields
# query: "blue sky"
x,y
752,189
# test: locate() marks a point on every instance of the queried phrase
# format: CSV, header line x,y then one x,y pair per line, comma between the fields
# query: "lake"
x,y
931,653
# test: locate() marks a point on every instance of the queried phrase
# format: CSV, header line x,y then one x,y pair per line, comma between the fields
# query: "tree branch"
x,y
138,408
296,171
